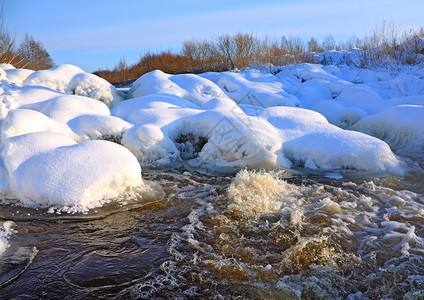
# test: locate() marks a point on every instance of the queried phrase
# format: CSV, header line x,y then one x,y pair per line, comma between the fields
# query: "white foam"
x,y
5,232
261,192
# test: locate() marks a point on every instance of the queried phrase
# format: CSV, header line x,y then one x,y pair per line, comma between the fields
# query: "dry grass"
x,y
166,61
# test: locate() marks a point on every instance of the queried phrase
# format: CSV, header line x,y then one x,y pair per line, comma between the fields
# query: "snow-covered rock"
x,y
72,80
50,169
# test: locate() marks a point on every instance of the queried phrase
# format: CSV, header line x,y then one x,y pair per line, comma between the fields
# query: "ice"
x,y
50,169
73,80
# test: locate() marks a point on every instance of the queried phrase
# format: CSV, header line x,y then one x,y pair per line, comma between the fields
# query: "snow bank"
x,y
72,80
213,123
357,99
401,126
5,67
99,127
220,136
50,169
21,121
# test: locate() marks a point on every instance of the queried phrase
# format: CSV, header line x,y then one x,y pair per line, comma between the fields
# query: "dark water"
x,y
269,236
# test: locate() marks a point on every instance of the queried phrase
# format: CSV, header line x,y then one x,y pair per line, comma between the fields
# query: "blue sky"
x,y
95,34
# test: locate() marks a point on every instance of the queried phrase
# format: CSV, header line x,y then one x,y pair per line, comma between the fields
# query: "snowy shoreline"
x,y
312,117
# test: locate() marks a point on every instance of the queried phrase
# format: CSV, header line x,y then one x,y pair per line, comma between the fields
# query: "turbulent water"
x,y
254,235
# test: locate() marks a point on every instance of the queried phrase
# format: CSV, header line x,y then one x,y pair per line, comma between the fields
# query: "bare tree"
x,y
34,53
225,48
8,52
329,43
313,45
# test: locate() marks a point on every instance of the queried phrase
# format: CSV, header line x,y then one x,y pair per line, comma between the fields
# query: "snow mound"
x,y
17,75
188,86
401,126
5,67
49,169
72,80
252,92
310,141
99,127
22,121
215,137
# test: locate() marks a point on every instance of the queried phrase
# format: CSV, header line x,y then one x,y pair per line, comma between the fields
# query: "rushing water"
x,y
257,235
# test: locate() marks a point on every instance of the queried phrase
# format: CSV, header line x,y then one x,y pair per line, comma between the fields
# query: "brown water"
x,y
259,235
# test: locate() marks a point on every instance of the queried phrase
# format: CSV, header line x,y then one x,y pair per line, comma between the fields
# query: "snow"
x,y
5,67
188,86
21,121
401,126
46,168
17,75
72,80
309,140
252,92
308,117
96,127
